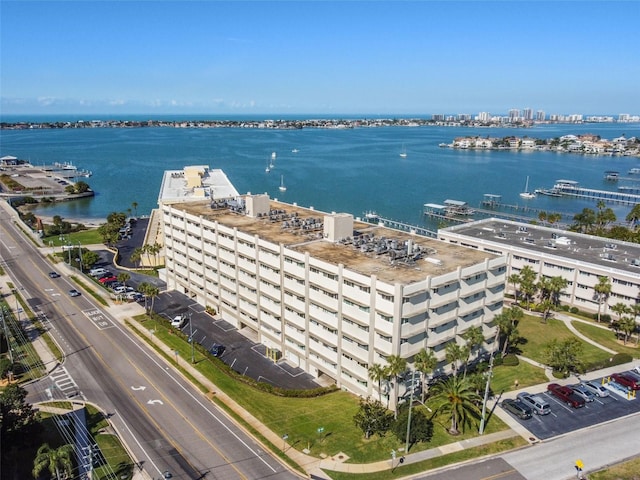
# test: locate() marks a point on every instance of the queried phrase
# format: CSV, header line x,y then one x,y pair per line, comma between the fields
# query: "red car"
x,y
108,279
566,395
625,381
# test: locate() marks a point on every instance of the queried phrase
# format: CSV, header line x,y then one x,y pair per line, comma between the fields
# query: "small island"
x,y
587,144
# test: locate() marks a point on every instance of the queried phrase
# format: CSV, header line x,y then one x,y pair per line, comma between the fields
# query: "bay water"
x,y
342,170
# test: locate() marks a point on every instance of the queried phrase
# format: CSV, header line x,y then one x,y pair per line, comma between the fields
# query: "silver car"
x,y
584,393
596,388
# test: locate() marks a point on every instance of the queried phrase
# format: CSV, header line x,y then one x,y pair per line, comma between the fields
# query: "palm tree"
x,y
56,460
424,362
135,208
620,309
124,277
507,323
474,338
634,216
455,353
152,292
396,365
628,326
377,373
457,398
136,256
514,278
602,291
528,284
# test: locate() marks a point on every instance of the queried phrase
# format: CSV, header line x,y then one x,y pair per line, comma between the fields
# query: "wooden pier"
x,y
574,190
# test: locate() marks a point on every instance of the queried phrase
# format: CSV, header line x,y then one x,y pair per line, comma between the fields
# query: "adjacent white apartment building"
x,y
581,259
331,294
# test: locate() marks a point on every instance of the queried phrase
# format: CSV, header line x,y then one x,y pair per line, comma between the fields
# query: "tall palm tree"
x,y
377,373
474,338
455,353
396,365
56,460
124,277
136,256
602,291
135,208
514,278
457,398
425,362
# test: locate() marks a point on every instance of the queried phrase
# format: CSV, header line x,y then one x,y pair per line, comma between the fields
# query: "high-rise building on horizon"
x,y
540,115
527,114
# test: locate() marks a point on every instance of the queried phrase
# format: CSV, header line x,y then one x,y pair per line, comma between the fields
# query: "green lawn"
x,y
504,377
85,237
300,418
607,338
443,460
539,334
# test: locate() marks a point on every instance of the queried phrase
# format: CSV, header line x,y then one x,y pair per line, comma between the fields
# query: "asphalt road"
x,y
167,424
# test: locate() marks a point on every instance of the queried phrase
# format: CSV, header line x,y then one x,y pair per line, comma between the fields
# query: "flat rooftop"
x,y
438,257
194,183
577,247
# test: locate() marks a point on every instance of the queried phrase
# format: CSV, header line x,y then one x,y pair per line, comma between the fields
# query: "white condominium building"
x,y
580,259
328,293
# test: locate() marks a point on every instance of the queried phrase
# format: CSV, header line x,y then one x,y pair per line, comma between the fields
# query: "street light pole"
x,y
486,388
193,357
406,445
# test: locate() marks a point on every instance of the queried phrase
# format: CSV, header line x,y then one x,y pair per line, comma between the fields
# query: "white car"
x,y
178,321
636,369
596,388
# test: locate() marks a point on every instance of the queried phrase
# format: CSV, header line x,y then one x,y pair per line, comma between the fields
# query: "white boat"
x,y
269,166
634,171
282,188
527,194
371,215
295,150
403,153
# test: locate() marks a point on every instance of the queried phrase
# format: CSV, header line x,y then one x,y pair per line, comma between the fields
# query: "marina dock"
x,y
570,188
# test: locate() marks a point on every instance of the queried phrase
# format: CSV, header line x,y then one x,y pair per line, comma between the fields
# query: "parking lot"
x,y
564,419
240,351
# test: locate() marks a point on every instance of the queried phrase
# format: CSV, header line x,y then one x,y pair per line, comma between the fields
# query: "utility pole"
x,y
6,334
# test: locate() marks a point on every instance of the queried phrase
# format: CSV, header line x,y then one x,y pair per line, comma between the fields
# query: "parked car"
x,y
566,395
581,391
596,388
216,350
517,407
54,274
626,381
97,272
178,321
104,280
636,369
538,404
134,296
74,293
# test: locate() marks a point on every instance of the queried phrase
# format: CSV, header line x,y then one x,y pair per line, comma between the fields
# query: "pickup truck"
x,y
566,395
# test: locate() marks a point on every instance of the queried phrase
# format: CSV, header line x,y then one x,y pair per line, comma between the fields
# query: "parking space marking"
x,y
98,318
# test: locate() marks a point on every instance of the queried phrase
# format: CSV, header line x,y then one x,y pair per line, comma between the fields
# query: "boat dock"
x,y
386,222
570,188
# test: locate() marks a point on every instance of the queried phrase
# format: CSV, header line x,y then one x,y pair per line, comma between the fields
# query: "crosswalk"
x,y
63,384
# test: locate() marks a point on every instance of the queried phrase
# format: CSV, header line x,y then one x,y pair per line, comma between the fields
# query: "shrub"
x,y
510,360
574,310
617,359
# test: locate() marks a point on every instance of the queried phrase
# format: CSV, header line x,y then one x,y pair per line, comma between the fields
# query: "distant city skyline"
x,y
322,57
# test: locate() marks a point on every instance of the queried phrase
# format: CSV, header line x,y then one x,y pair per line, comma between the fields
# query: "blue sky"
x,y
243,58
